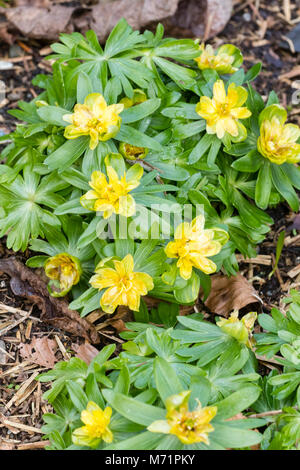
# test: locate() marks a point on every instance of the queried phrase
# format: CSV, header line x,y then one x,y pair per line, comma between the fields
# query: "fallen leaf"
x,y
42,19
136,12
40,351
27,283
230,293
37,22
202,17
86,352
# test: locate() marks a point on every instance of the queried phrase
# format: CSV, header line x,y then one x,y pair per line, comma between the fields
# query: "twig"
x,y
33,445
19,394
23,427
269,413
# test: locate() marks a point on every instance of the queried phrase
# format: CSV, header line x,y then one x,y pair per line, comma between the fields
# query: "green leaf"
x,y
263,185
134,137
203,145
190,292
77,395
140,111
250,163
253,72
132,409
284,187
167,382
53,115
237,402
184,77
84,87
143,441
279,247
67,154
232,438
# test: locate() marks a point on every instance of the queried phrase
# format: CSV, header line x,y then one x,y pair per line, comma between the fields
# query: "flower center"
x,y
223,109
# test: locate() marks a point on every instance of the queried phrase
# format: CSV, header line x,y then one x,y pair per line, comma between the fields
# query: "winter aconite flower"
x,y
189,426
193,245
64,271
277,140
139,96
223,111
226,59
95,119
96,427
241,330
112,195
123,285
131,152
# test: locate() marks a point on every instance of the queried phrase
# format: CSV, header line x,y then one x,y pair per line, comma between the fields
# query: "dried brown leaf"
x,y
27,283
43,19
40,351
86,352
230,293
38,22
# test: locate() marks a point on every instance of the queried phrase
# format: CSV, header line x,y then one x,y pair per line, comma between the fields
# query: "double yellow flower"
x,y
112,196
277,140
123,285
193,245
226,59
223,111
65,270
96,427
189,426
241,330
95,119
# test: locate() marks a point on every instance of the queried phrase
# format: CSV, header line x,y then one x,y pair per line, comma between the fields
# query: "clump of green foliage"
x,y
97,177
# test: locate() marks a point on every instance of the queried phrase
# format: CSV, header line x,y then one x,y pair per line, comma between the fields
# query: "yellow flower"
x,y
189,426
123,285
65,270
94,118
192,245
96,427
226,59
112,196
277,140
241,330
222,112
131,152
139,96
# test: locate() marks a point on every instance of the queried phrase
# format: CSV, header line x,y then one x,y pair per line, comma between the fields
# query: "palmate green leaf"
x,y
23,202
